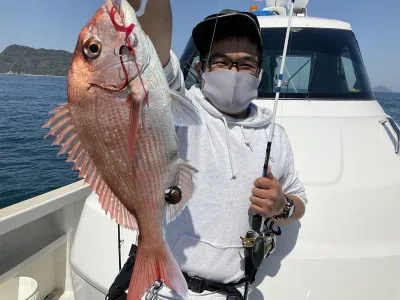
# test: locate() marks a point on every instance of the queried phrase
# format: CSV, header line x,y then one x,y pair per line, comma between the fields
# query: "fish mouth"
x,y
112,88
123,72
109,87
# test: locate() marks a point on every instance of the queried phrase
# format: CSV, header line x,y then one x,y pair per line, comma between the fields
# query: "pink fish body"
x,y
118,130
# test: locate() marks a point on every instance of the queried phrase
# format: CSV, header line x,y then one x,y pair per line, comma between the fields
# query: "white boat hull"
x,y
345,247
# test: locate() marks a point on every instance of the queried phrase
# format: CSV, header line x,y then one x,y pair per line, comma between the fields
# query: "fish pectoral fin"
x,y
113,207
138,90
183,110
186,185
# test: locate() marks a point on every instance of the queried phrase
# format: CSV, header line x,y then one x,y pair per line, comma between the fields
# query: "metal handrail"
x,y
396,130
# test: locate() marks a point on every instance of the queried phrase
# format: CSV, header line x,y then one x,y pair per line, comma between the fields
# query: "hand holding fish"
x,y
267,197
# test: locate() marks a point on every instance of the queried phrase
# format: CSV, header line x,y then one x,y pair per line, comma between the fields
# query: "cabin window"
x,y
192,77
320,64
189,58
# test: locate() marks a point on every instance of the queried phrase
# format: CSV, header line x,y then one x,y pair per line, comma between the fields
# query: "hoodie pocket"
x,y
208,260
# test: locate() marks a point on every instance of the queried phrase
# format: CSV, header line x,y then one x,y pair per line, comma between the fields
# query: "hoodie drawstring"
x,y
228,143
246,139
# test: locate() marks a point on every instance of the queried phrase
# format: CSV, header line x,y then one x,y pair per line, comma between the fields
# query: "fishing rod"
x,y
257,244
277,94
278,90
119,248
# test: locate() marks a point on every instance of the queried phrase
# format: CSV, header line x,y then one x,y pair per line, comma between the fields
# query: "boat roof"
x,y
302,22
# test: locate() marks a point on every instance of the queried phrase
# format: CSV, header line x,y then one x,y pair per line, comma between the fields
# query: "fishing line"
x,y
213,35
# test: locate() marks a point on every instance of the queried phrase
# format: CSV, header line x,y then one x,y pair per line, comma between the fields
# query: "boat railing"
x,y
396,130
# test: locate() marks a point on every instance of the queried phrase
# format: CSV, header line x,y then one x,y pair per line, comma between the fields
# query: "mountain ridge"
x,y
17,59
382,89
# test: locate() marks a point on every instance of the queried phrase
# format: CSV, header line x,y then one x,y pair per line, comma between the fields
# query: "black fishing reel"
x,y
258,244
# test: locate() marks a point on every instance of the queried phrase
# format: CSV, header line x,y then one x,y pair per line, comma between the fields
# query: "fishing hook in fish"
x,y
128,31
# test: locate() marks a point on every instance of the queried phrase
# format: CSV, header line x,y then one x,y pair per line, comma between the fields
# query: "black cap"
x,y
228,23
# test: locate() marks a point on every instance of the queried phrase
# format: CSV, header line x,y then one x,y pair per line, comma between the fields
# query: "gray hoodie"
x,y
229,154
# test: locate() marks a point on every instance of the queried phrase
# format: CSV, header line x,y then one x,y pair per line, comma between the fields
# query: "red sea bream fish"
x,y
118,128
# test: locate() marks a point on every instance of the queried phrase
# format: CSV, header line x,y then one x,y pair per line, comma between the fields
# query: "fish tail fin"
x,y
152,263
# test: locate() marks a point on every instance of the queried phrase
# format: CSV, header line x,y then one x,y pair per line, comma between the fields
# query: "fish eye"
x,y
92,48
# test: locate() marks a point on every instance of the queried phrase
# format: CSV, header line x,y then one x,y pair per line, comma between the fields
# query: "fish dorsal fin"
x,y
183,110
186,184
62,127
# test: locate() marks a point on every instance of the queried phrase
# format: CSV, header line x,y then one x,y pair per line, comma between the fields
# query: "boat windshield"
x,y
320,64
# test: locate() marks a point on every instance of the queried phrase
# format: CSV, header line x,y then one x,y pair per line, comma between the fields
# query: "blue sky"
x,y
56,24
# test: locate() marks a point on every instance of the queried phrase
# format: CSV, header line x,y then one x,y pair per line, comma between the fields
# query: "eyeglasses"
x,y
250,66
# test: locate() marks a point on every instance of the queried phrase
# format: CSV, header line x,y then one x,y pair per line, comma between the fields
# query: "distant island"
x,y
16,59
381,89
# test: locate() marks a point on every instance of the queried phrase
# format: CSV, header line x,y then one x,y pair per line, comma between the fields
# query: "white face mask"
x,y
229,91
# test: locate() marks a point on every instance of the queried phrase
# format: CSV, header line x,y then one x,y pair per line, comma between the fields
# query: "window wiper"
x,y
297,72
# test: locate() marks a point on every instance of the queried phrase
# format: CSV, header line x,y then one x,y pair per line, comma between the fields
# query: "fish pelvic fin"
x,y
136,98
155,262
185,183
183,111
62,127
